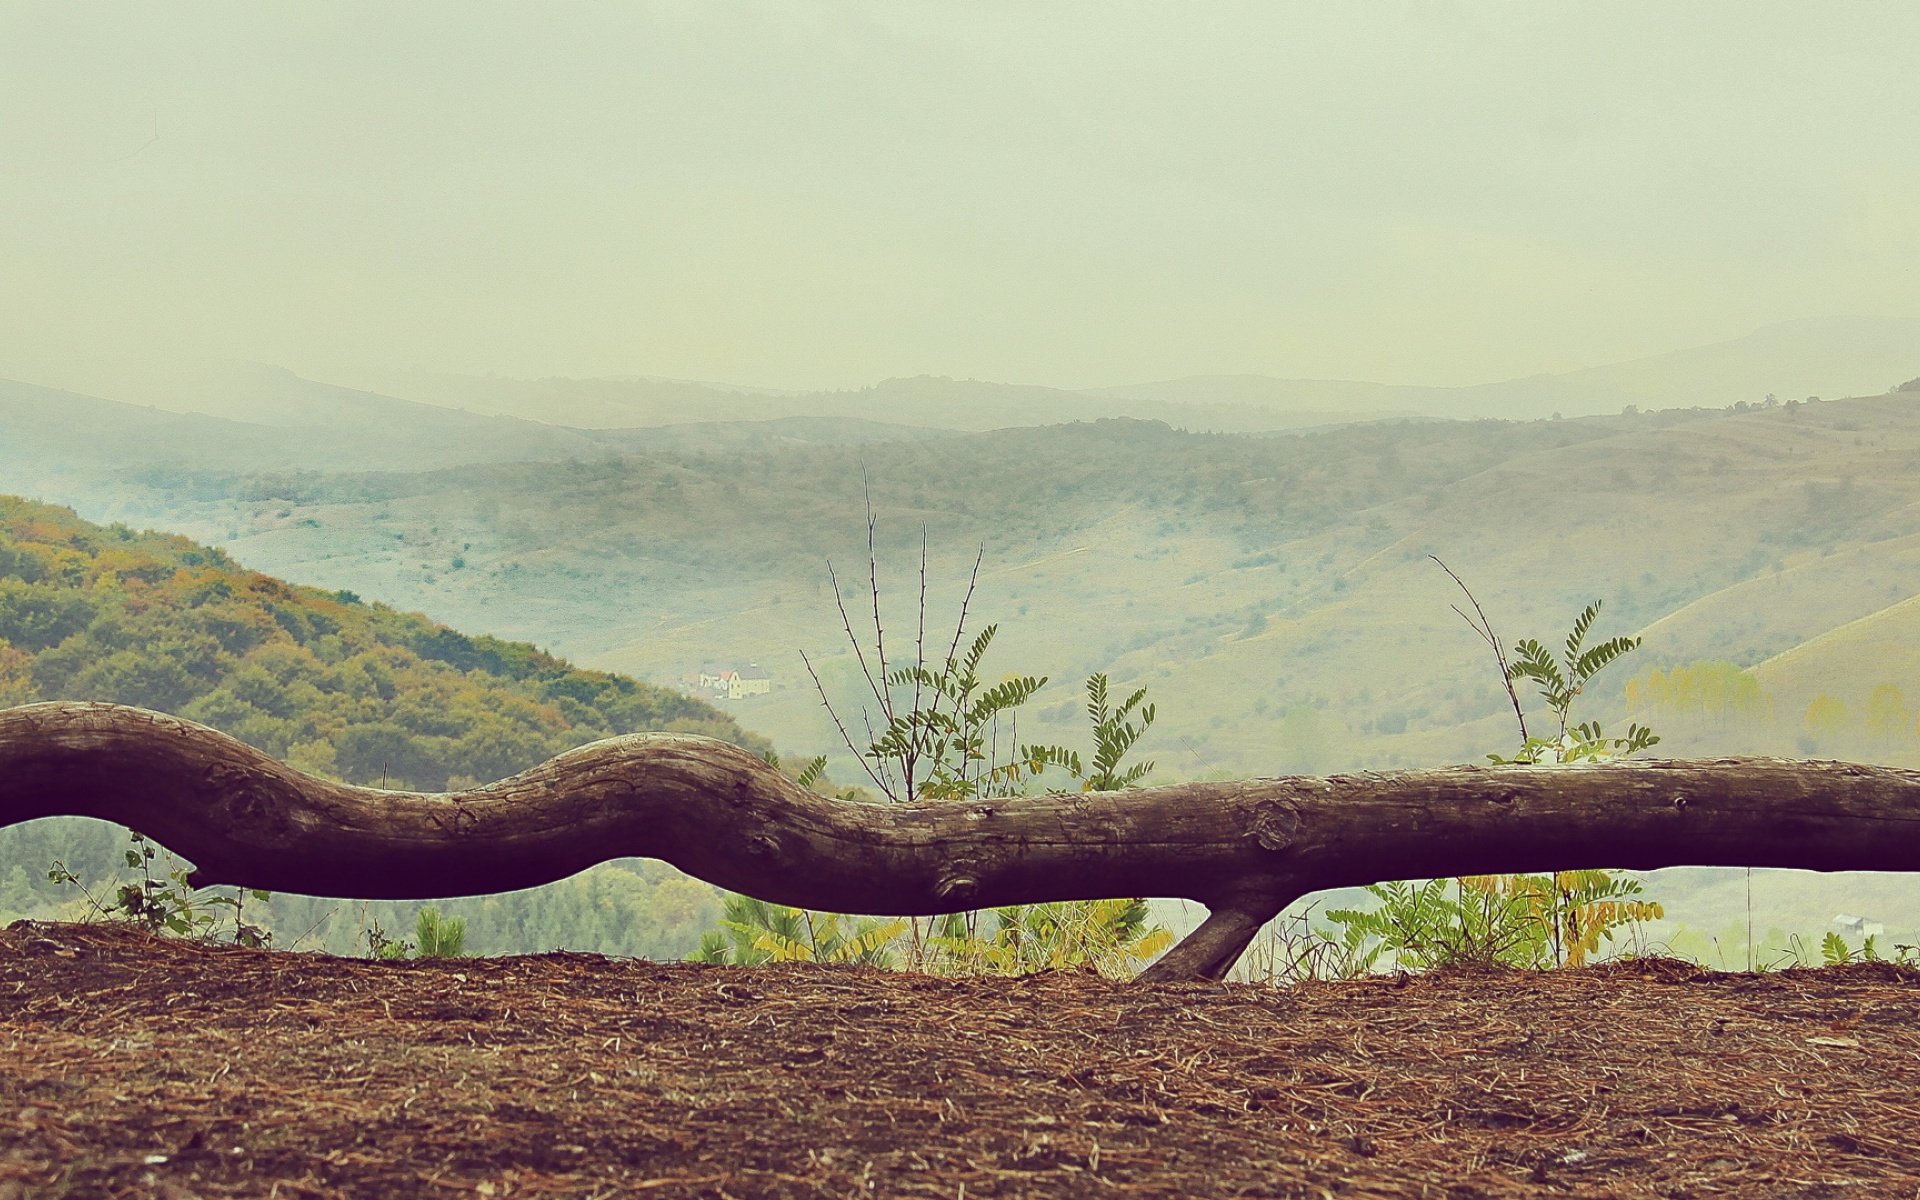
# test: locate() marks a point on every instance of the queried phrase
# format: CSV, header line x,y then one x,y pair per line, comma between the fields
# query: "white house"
x,y
751,680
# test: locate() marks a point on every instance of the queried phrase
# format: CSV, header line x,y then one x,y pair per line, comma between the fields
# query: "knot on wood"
x,y
254,800
1276,825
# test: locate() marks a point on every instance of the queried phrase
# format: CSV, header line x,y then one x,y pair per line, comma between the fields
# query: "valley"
x,y
1274,591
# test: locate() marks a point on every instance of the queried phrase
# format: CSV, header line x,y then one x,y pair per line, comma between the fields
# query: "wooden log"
x,y
1244,848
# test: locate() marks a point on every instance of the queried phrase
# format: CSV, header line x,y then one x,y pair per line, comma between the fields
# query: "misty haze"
x,y
1178,395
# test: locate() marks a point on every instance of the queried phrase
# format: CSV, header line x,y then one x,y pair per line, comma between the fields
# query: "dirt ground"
x,y
131,1066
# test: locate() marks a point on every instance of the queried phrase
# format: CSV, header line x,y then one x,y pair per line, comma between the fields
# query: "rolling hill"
x,y
1839,356
1273,592
335,686
1836,356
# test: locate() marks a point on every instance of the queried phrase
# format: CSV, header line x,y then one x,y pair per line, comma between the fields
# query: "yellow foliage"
x,y
1104,934
1825,715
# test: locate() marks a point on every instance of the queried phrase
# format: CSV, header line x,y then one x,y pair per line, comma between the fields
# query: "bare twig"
x,y
884,693
1484,628
846,622
844,735
324,918
1206,764
873,588
919,661
959,625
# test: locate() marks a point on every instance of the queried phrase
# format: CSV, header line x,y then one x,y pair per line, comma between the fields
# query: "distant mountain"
x,y
1826,357
772,434
1832,357
1829,357
349,427
300,425
921,402
47,427
1301,401
423,421
926,401
53,442
610,403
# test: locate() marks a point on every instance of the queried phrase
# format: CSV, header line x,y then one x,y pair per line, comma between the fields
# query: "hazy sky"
x,y
822,194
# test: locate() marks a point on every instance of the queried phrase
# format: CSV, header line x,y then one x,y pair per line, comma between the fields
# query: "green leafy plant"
x,y
947,734
1561,919
437,936
160,899
385,948
1114,734
1114,937
1564,918
754,933
1835,951
1560,684
952,727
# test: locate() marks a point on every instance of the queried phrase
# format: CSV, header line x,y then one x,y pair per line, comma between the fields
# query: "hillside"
x,y
267,421
331,684
1274,593
276,421
1270,589
1883,646
58,431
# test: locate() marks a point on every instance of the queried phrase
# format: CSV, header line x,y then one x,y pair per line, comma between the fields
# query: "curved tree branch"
x,y
1243,848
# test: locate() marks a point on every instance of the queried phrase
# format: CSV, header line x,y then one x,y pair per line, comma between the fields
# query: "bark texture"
x,y
1244,848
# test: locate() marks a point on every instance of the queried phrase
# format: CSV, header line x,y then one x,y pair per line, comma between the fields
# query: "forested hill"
x,y
336,686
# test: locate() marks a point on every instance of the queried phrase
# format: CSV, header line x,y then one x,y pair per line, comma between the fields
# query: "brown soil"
x,y
131,1066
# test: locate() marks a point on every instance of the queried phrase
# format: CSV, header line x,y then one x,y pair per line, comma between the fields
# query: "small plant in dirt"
x,y
755,933
160,900
1836,951
438,936
386,948
434,936
1561,919
1564,918
1292,949
1115,937
941,731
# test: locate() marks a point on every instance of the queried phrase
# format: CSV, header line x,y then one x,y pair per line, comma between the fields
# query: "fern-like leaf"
x,y
1581,624
1590,663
